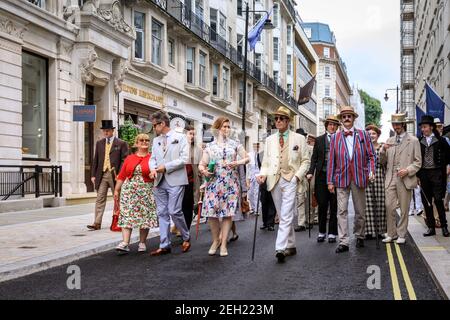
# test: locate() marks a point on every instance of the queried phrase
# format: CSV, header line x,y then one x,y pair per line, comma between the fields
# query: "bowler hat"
x,y
426,119
107,124
346,110
283,111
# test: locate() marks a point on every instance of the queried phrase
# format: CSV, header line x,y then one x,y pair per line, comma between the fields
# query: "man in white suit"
x,y
170,153
284,167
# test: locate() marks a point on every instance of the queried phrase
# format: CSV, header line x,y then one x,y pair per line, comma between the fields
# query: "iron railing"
x,y
184,16
25,180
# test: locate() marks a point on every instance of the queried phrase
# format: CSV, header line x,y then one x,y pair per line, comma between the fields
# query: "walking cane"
x,y
256,223
424,195
375,209
309,207
199,214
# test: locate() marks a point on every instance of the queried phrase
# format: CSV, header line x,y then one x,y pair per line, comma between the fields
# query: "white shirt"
x,y
349,139
111,140
429,139
328,136
401,138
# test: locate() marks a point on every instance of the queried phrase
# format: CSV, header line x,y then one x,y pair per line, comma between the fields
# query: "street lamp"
x,y
267,26
386,97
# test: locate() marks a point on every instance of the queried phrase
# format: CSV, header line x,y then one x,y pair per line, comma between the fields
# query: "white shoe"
x,y
412,213
400,241
142,247
384,235
387,240
123,247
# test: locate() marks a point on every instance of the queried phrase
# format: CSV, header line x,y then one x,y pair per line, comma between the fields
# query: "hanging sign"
x,y
84,113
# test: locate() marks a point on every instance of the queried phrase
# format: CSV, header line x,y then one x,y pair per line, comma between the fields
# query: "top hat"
x,y
347,110
333,119
400,118
283,111
426,119
107,124
301,131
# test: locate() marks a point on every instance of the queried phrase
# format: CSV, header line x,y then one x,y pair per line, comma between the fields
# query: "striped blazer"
x,y
341,170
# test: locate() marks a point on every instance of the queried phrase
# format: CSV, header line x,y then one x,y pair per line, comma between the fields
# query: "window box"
x,y
198,91
149,68
220,101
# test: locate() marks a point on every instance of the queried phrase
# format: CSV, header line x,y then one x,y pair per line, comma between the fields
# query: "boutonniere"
x,y
175,141
295,148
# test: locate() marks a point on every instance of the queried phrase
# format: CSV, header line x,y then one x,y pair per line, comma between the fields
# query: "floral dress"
x,y
137,205
222,194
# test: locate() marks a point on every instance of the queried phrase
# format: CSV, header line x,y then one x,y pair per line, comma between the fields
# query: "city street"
x,y
316,272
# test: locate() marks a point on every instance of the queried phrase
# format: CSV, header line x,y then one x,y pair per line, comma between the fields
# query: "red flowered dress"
x,y
137,205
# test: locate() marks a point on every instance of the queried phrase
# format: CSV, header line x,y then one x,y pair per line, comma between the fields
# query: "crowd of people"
x,y
295,180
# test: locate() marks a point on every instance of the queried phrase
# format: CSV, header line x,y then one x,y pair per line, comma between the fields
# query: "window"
x,y
289,64
241,94
39,3
156,42
289,36
139,24
213,24
327,109
190,65
171,49
249,97
239,7
199,9
276,49
258,61
225,75
275,76
275,15
327,91
289,89
327,72
240,49
202,63
215,84
257,18
308,32
222,25
326,52
34,106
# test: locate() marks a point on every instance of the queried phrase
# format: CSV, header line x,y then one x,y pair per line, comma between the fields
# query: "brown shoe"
x,y
94,226
160,252
186,246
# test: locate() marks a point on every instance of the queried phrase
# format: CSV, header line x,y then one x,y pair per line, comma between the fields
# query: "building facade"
x,y
432,49
333,87
130,58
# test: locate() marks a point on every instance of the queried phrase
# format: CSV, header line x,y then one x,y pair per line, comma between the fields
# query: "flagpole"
x,y
245,72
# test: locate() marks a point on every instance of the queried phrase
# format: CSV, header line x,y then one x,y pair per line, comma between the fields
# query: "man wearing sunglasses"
x,y
286,160
350,167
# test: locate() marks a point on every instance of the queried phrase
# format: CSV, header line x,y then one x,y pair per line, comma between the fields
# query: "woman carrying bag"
x,y
134,189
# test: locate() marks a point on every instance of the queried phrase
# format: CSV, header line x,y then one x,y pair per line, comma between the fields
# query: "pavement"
x,y
37,240
316,272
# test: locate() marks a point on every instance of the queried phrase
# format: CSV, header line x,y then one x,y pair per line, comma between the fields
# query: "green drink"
x,y
211,167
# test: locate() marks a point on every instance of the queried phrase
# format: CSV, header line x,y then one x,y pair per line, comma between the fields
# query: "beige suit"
x,y
285,169
407,155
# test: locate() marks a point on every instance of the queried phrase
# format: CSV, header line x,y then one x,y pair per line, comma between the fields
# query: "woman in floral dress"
x,y
134,188
378,203
223,191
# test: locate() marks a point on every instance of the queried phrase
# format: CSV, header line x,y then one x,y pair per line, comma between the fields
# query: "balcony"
x,y
193,24
149,68
196,90
221,101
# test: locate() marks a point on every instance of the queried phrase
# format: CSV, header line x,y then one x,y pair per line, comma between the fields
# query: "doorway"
x,y
88,142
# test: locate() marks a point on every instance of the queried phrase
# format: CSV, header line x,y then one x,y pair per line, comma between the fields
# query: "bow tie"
x,y
348,133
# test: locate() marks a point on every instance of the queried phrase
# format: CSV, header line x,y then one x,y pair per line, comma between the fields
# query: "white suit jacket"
x,y
299,159
174,158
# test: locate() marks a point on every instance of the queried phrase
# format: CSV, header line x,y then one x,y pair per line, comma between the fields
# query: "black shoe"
x,y
331,240
299,228
270,228
369,237
280,255
420,212
430,232
445,232
320,238
359,243
290,252
263,227
341,248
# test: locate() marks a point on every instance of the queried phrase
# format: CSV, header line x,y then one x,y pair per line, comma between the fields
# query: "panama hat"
x,y
283,111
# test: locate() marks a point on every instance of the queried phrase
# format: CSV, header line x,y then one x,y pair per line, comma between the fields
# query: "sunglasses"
x,y
144,140
348,116
281,118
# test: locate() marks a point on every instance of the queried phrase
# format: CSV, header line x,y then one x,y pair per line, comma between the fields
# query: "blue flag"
x,y
419,114
254,34
435,105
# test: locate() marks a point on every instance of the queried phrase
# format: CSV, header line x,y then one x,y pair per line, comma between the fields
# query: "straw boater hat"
x,y
399,118
333,119
283,111
347,110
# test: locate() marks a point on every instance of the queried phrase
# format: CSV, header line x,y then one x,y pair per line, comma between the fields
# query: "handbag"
x,y
245,205
115,218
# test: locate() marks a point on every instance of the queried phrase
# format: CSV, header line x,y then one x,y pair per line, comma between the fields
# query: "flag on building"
x,y
254,34
435,105
306,91
419,114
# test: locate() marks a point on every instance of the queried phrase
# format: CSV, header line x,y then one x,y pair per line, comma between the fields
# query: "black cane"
x,y
375,208
309,207
256,224
425,196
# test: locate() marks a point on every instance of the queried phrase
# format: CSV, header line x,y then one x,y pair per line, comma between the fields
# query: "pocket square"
x,y
175,141
295,148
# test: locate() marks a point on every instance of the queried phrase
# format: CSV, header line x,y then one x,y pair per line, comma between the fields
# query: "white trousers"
x,y
284,194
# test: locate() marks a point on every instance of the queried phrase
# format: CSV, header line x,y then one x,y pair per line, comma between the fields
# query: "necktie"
x,y
108,141
258,160
348,133
398,140
281,141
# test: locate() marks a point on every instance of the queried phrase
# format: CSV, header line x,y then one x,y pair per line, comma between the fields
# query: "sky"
x,y
368,40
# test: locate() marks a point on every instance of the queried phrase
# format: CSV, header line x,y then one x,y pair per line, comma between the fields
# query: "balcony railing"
x,y
184,16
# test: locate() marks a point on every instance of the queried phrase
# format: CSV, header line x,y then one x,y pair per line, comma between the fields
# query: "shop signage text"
x,y
84,113
143,94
